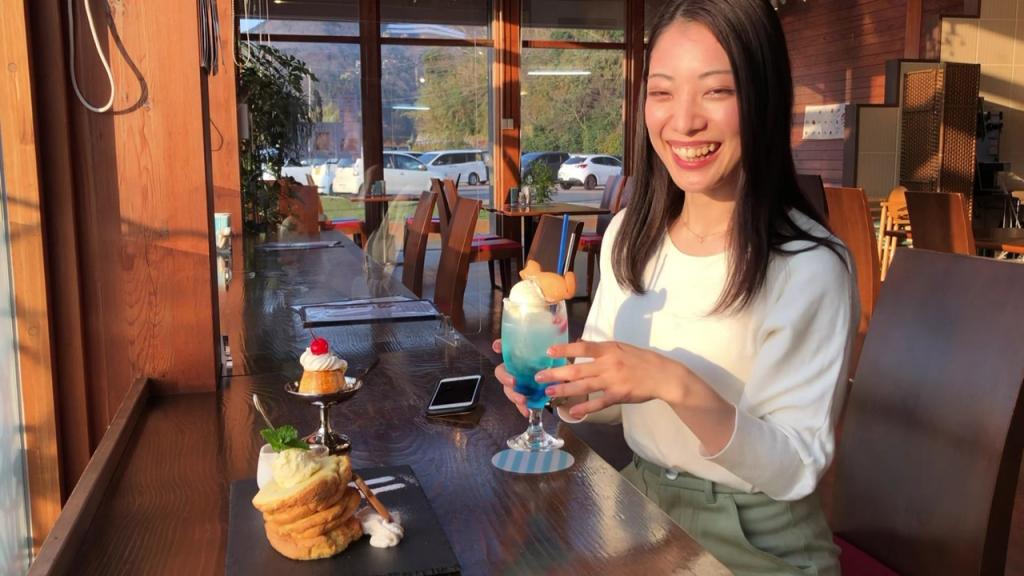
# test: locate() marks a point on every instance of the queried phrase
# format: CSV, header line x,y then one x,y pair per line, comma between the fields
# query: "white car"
x,y
403,174
463,166
588,170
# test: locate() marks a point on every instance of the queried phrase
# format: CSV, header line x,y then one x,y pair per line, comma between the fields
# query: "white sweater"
x,y
782,361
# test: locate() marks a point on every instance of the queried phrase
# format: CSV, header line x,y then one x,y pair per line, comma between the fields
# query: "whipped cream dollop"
x,y
294,466
321,362
382,534
527,293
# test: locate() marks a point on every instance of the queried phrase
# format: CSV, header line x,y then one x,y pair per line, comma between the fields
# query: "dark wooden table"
x,y
165,511
1000,239
529,214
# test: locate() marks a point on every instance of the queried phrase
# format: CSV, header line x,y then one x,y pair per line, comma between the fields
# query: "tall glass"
x,y
527,331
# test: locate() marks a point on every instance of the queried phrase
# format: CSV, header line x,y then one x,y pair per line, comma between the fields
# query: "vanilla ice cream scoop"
x,y
527,293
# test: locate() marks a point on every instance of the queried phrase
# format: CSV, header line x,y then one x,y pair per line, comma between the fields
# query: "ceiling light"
x,y
558,73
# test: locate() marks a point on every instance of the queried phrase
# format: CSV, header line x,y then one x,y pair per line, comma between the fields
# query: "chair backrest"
x,y
548,237
453,269
302,203
813,189
624,195
931,447
448,194
850,219
416,234
609,199
938,221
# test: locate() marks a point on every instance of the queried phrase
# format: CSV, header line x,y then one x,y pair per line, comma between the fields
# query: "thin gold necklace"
x,y
701,238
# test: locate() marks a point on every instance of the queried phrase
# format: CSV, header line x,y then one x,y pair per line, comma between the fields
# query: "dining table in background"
x,y
1000,239
529,213
166,507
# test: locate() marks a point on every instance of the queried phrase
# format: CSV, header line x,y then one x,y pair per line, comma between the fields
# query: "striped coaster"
x,y
523,462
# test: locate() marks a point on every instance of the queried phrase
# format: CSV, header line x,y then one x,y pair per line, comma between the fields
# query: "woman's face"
x,y
692,112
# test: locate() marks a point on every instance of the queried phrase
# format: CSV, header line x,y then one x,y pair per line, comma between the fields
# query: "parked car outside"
x,y
403,174
553,160
466,166
319,169
588,170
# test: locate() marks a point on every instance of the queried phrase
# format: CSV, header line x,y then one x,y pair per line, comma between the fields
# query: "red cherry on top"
x,y
318,346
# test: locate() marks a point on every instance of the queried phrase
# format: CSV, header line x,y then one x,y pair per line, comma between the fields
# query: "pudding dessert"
x,y
309,509
322,371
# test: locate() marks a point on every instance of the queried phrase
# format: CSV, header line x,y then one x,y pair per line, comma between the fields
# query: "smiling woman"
x,y
720,331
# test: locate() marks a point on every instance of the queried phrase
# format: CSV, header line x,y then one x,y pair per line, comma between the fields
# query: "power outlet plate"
x,y
826,122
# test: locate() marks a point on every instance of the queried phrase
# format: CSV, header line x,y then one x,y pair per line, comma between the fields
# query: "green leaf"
x,y
283,438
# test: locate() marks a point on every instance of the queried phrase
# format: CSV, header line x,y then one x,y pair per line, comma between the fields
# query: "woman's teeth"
x,y
695,152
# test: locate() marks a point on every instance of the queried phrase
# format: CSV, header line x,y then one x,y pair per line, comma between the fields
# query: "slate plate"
x,y
424,550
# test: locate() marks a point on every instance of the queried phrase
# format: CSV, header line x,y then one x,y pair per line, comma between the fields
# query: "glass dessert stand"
x,y
325,436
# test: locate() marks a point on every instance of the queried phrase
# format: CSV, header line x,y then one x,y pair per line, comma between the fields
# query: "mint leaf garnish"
x,y
283,438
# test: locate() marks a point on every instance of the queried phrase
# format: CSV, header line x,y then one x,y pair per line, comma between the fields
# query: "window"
x,y
575,20
435,19
573,98
257,18
438,99
403,162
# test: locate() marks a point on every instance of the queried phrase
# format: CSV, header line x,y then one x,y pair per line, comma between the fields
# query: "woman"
x,y
720,331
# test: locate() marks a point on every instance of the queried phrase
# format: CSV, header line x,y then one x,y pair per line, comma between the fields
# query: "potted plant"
x,y
541,181
270,88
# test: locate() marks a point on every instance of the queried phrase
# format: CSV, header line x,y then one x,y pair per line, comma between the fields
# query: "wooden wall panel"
x,y
838,52
227,194
145,241
28,269
50,77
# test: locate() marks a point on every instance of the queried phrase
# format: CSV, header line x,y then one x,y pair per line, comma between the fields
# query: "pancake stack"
x,y
314,517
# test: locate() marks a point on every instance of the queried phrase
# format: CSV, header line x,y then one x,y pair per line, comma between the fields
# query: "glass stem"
x,y
535,432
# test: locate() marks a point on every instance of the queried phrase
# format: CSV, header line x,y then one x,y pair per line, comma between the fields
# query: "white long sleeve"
x,y
782,362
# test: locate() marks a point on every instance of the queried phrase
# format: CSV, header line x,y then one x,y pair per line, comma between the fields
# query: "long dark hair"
x,y
752,36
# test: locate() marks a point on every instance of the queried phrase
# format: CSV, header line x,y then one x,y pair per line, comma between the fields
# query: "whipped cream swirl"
x,y
321,363
382,534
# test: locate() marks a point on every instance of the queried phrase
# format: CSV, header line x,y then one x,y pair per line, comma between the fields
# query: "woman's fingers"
x,y
580,387
582,349
590,406
569,372
496,346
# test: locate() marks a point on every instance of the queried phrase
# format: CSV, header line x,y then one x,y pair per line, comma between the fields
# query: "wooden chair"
x,y
813,189
931,448
435,221
302,203
939,222
453,269
850,219
416,233
548,238
591,241
892,227
625,195
488,248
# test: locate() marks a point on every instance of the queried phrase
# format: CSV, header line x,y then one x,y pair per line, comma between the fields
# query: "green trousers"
x,y
749,533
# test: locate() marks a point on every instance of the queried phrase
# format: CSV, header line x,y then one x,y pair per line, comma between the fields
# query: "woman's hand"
x,y
508,382
625,374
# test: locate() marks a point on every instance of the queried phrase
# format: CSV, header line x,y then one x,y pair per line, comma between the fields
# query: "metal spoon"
x,y
259,408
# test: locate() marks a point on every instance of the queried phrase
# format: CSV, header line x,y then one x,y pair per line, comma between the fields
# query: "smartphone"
x,y
455,395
